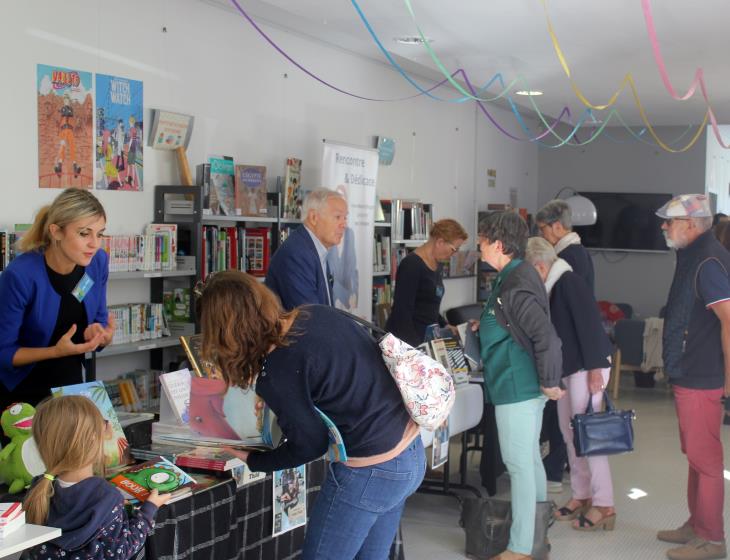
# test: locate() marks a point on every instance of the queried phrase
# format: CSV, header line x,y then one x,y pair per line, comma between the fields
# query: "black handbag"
x,y
603,433
487,523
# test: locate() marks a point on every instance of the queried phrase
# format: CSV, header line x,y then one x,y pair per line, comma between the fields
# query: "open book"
x,y
136,483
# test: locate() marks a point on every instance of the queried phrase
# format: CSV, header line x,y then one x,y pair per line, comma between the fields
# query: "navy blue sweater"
x,y
581,262
94,524
334,364
576,319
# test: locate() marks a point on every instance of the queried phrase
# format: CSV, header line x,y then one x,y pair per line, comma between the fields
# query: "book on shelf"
x,y
208,458
412,220
222,188
292,189
136,482
176,304
116,448
257,248
250,181
168,249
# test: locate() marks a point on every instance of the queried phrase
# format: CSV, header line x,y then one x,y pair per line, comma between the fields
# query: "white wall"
x,y
641,279
718,168
249,103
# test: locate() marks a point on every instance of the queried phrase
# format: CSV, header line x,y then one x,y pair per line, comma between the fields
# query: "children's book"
x,y
208,458
293,193
222,188
136,483
155,450
250,183
336,452
176,386
116,447
290,499
218,413
244,476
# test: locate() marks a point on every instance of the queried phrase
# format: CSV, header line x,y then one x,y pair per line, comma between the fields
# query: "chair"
x,y
629,350
464,313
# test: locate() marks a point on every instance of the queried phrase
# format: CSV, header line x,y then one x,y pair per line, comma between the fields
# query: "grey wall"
x,y
621,165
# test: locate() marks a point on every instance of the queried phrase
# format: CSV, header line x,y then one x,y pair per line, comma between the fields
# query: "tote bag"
x,y
426,387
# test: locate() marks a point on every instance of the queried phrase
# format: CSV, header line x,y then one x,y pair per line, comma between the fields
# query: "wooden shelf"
x,y
132,274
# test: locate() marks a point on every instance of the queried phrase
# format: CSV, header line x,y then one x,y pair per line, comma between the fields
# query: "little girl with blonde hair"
x,y
69,432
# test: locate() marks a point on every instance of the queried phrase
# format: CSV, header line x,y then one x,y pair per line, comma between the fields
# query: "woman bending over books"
x,y
69,432
314,356
53,299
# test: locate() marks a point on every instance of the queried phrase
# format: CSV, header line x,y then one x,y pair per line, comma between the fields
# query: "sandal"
x,y
605,522
566,514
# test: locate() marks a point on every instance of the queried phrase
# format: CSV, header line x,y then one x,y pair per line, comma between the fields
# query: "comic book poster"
x,y
119,161
65,128
290,499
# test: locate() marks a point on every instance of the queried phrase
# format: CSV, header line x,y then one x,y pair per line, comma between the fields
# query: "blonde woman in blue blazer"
x,y
53,299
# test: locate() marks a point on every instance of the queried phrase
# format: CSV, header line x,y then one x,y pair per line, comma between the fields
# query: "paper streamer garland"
x,y
476,94
699,79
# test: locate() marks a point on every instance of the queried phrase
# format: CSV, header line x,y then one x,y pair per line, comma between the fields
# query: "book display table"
x,y
226,523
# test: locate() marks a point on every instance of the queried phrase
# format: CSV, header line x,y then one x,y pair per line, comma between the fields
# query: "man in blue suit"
x,y
299,273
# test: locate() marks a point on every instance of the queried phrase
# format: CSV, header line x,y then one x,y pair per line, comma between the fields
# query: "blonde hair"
x,y
69,433
69,206
241,319
449,230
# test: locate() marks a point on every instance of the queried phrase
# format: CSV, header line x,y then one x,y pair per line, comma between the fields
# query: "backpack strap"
x,y
367,324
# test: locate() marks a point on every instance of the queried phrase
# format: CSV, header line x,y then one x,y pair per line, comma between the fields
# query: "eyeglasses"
x,y
453,249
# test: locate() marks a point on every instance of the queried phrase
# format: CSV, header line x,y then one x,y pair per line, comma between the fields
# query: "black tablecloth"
x,y
225,523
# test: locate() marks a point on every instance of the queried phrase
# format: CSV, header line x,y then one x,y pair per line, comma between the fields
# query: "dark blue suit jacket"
x,y
295,273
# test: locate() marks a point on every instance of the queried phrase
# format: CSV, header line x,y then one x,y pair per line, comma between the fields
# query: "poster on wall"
x,y
65,128
353,172
119,161
169,130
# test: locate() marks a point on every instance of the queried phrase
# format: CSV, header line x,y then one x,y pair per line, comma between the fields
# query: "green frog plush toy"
x,y
19,460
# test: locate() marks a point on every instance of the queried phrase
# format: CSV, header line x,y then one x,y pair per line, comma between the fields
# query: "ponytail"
x,y
38,501
38,236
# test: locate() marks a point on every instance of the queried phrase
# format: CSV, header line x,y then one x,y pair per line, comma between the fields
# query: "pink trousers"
x,y
590,477
700,418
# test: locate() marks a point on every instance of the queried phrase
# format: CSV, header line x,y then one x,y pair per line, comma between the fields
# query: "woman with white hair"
x,y
586,349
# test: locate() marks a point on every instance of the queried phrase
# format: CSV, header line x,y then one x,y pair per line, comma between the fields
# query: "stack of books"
x,y
12,518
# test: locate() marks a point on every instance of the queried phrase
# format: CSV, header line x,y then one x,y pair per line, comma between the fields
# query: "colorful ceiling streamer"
x,y
628,80
473,93
699,79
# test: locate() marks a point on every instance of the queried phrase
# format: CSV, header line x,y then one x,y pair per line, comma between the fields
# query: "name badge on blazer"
x,y
83,287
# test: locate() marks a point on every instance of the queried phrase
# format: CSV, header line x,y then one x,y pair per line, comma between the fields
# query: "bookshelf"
x,y
405,227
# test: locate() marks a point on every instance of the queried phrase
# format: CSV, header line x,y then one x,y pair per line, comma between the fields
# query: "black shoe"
x,y
77,171
57,169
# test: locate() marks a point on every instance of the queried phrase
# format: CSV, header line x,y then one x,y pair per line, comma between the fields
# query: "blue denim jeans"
x,y
357,512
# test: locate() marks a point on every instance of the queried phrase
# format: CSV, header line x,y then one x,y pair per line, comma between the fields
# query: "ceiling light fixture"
x,y
411,40
530,92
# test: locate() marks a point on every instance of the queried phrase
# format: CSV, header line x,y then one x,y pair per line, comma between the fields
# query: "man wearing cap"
x,y
696,329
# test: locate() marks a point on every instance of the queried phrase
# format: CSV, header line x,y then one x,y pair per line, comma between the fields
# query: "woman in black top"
x,y
419,284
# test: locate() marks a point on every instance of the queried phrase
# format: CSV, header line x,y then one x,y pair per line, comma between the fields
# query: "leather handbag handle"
x,y
606,401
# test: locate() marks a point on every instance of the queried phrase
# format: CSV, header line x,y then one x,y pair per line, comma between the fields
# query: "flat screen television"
x,y
626,222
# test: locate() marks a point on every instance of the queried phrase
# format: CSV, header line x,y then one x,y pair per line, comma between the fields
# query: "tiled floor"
x,y
430,523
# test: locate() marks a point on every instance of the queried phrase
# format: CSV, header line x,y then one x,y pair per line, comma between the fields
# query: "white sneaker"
x,y
554,487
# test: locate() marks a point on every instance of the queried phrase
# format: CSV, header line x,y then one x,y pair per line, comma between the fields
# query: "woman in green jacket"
x,y
522,368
